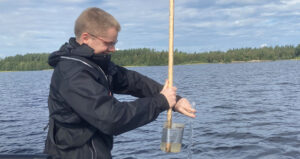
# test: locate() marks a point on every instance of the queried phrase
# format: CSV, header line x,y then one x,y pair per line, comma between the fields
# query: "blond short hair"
x,y
95,21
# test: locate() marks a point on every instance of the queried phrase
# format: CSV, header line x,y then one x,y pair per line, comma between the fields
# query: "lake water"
x,y
244,110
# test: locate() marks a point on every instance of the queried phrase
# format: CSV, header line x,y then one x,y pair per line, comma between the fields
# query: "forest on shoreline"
x,y
151,57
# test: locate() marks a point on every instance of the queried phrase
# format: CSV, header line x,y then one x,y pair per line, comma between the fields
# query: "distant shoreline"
x,y
151,57
251,61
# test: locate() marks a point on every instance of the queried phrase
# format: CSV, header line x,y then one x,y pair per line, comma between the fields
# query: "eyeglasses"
x,y
109,44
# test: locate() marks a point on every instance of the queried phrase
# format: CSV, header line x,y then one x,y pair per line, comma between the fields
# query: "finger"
x,y
189,114
166,84
188,108
192,110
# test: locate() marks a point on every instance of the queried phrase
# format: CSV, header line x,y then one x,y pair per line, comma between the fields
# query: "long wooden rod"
x,y
170,67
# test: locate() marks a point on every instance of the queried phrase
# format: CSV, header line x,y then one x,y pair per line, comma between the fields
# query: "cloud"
x,y
42,26
72,1
263,45
244,2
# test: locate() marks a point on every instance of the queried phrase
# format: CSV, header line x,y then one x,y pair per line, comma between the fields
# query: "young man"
x,y
83,114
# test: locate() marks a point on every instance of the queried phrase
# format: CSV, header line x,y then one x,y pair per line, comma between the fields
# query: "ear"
x,y
85,38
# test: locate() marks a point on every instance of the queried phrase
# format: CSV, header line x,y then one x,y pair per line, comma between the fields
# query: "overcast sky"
x,y
35,26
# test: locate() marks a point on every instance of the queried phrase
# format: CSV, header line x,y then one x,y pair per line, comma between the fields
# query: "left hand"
x,y
184,107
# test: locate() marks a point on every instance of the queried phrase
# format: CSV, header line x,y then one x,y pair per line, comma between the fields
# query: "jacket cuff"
x,y
177,99
164,105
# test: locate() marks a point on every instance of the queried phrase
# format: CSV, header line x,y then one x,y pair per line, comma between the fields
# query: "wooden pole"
x,y
170,67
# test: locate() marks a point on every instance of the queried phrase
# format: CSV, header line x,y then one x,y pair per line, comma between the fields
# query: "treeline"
x,y
150,57
25,62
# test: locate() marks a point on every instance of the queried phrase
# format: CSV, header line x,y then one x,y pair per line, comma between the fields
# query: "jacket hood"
x,y
70,49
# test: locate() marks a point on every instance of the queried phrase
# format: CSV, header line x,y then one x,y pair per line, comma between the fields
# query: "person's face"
x,y
102,45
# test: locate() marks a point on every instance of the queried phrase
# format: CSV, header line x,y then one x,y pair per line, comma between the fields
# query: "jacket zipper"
x,y
103,73
106,77
93,146
93,150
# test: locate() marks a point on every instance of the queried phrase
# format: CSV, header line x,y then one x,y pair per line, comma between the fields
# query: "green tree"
x,y
297,50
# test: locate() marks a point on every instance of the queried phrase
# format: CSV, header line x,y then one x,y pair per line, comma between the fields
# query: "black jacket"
x,y
83,114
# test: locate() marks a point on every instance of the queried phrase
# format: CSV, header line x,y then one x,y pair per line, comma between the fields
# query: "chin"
x,y
99,53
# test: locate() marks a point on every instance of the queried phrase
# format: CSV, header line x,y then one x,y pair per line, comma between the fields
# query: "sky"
x,y
42,26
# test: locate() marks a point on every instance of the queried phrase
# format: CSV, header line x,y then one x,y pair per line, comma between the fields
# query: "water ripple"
x,y
244,110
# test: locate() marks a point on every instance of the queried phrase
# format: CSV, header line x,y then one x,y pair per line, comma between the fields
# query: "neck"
x,y
79,41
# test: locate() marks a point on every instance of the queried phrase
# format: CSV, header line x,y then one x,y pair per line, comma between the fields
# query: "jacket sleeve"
x,y
133,83
92,102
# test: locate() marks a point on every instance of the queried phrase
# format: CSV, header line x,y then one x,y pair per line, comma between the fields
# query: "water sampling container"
x,y
173,136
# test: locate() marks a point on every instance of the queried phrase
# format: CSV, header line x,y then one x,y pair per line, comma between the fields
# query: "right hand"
x,y
170,94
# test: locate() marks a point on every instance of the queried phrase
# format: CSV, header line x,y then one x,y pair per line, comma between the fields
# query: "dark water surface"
x,y
245,110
